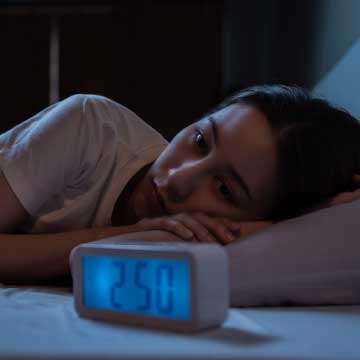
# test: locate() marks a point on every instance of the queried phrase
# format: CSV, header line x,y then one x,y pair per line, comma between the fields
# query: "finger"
x,y
169,224
232,224
216,226
200,231
235,227
178,228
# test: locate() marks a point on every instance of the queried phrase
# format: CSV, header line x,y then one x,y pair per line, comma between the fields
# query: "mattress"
x,y
41,323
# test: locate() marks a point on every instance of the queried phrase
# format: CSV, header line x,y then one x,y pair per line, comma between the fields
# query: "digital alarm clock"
x,y
177,286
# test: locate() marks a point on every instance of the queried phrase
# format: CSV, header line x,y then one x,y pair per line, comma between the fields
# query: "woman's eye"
x,y
200,141
225,191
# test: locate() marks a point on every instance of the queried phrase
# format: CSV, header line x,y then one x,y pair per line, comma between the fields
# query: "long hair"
x,y
318,145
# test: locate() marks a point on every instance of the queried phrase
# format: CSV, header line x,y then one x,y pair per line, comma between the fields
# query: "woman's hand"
x,y
199,227
342,197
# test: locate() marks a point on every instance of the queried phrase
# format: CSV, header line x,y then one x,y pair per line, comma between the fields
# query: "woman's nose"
x,y
182,180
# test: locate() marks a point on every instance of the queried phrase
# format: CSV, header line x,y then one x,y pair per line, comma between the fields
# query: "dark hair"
x,y
318,145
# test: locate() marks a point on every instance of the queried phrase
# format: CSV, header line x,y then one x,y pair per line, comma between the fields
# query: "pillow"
x,y
313,259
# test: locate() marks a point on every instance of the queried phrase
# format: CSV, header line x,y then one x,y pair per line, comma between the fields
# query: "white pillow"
x,y
313,259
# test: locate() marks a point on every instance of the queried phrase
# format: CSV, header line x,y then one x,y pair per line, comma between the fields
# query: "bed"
x,y
41,323
304,306
294,290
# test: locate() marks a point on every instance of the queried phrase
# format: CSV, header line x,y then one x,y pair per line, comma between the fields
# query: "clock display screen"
x,y
147,286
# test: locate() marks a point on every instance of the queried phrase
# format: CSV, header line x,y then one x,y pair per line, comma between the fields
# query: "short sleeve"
x,y
40,156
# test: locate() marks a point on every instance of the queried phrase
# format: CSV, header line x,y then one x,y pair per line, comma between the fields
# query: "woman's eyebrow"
x,y
237,176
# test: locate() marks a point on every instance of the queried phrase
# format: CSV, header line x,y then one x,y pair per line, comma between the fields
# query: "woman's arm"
x,y
12,213
342,197
25,257
37,256
42,256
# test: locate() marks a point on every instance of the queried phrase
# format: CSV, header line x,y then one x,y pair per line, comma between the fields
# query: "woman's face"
x,y
223,165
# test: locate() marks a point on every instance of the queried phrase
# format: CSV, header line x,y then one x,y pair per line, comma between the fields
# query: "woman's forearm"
x,y
25,257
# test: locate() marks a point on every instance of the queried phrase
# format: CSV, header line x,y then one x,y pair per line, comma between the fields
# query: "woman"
x,y
88,168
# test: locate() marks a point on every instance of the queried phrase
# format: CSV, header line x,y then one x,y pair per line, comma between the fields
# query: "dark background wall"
x,y
162,59
337,29
168,60
295,41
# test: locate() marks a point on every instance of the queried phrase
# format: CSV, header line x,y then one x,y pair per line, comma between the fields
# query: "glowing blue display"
x,y
155,287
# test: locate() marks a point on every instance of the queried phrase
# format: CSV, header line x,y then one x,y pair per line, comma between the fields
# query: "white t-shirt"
x,y
69,163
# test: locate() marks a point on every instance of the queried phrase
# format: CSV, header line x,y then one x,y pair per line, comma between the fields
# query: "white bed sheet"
x,y
41,323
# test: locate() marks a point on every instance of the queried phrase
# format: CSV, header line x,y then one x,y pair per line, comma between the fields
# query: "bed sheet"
x,y
41,323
